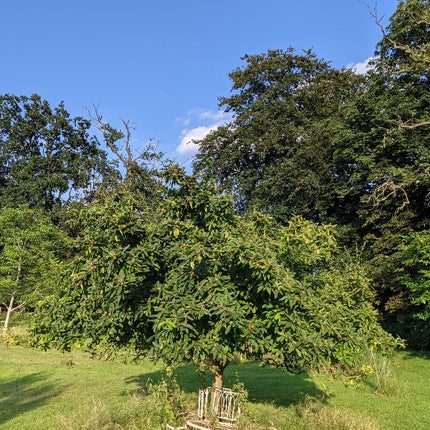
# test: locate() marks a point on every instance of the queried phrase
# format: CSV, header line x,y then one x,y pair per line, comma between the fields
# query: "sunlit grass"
x,y
50,390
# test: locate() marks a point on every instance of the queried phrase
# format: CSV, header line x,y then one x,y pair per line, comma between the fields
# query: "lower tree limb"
x,y
9,310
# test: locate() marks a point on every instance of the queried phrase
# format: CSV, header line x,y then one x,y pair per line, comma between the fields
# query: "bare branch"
x,y
134,164
128,129
388,190
417,54
111,136
408,126
17,307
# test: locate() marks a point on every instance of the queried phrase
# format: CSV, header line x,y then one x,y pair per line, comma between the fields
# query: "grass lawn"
x,y
49,390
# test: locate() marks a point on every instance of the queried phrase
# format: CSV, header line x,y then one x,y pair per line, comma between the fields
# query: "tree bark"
x,y
10,308
217,379
217,368
8,314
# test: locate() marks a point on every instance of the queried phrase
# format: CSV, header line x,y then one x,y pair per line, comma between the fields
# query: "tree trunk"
x,y
217,379
8,314
217,368
10,308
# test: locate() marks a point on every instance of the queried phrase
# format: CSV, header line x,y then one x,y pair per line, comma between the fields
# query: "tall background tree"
x,y
276,154
334,147
46,157
383,152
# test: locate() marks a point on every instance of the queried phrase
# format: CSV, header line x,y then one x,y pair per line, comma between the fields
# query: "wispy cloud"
x,y
189,136
361,68
213,116
188,145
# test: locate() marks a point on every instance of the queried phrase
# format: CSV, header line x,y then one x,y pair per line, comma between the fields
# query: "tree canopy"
x,y
276,154
199,283
306,139
46,157
383,149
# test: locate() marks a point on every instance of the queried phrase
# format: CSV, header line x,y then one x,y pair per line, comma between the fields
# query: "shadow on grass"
x,y
20,395
409,354
264,383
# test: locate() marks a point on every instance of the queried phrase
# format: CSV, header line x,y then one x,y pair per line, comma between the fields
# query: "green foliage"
x,y
276,155
373,370
169,404
45,154
197,283
18,332
383,150
249,286
415,273
406,325
306,139
332,317
378,370
31,250
105,290
405,48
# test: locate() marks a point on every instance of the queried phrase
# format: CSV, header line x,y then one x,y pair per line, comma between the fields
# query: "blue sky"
x,y
163,64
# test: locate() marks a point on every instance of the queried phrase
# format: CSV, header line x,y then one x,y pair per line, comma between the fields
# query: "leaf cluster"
x,y
32,251
415,274
198,283
334,147
276,154
45,155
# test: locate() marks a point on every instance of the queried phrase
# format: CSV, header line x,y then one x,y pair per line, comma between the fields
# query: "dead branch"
x,y
128,129
386,191
17,307
124,153
408,126
405,125
417,54
111,136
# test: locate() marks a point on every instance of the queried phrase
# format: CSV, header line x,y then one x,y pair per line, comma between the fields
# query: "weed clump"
x,y
315,415
148,409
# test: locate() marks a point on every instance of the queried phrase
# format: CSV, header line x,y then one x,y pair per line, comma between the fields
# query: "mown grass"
x,y
50,390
